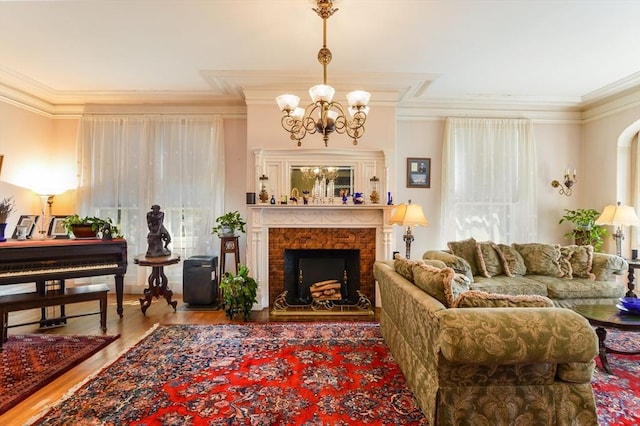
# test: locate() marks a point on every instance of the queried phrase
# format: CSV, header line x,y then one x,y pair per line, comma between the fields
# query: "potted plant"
x,y
90,226
239,292
6,207
585,231
228,224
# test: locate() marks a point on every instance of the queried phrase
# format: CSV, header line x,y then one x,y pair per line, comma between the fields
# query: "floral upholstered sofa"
x,y
569,275
477,358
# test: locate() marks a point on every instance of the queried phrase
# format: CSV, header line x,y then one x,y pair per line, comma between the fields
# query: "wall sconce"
x,y
568,183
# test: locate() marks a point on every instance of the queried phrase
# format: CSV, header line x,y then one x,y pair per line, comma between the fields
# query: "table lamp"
x,y
408,215
618,215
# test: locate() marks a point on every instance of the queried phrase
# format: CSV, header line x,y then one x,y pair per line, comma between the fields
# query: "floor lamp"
x,y
618,215
408,215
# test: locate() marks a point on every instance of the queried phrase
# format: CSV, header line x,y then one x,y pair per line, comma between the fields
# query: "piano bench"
x,y
24,301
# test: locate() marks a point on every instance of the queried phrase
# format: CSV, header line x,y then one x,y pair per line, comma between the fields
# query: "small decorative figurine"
x,y
158,237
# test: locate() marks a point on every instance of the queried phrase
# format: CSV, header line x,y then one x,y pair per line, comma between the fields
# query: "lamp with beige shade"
x,y
618,215
408,215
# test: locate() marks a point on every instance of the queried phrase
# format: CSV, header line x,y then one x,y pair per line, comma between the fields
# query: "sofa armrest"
x,y
606,265
515,336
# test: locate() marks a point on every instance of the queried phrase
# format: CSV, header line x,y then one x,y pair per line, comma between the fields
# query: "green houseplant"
x,y
585,230
228,224
239,292
89,226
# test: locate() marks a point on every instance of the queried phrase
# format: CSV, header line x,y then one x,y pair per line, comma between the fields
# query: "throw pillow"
x,y
581,260
482,299
404,266
442,284
489,262
541,259
512,262
452,261
466,249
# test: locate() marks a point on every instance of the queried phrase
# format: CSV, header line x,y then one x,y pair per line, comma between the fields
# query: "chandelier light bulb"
x,y
322,92
358,98
287,103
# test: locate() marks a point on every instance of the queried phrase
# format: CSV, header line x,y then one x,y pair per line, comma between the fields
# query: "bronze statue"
x,y
158,237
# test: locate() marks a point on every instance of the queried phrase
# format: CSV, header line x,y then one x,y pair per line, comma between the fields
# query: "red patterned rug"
x,y
283,373
618,394
31,361
262,374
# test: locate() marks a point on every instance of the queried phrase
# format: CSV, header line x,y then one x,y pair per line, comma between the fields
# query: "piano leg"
x,y
119,293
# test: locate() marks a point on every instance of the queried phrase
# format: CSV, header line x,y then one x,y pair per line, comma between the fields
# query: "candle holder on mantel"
x,y
263,195
374,183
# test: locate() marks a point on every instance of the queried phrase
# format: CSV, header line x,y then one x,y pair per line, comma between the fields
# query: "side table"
x,y
158,282
633,264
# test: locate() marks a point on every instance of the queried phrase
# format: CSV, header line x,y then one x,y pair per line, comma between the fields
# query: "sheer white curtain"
x,y
488,180
129,163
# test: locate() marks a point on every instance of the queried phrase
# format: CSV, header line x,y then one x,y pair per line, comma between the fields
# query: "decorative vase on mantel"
x,y
3,227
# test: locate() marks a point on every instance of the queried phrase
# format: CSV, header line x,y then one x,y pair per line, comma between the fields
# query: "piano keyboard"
x,y
62,269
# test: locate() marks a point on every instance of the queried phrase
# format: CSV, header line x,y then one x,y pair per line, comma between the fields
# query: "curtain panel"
x,y
129,163
489,180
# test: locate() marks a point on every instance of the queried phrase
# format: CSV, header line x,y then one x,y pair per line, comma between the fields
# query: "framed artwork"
x,y
56,228
28,220
418,172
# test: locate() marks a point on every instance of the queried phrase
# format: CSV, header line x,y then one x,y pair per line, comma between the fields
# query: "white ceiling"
x,y
540,51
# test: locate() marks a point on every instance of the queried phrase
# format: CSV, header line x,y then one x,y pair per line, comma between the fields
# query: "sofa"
x,y
569,275
478,358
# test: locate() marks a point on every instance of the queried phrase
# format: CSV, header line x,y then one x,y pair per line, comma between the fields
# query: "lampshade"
x,y
322,92
287,102
618,215
408,215
358,98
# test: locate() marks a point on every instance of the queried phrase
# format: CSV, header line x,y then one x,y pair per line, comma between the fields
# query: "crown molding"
x,y
232,90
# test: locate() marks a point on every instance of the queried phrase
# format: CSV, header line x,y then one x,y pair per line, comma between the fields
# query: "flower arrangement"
x,y
6,207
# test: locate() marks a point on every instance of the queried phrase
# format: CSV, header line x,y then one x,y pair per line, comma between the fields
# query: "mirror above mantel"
x,y
284,171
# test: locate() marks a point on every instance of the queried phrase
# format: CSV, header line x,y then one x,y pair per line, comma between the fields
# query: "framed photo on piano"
x,y
28,220
56,228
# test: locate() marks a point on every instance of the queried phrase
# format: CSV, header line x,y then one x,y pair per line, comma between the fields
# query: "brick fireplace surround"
x,y
272,229
363,239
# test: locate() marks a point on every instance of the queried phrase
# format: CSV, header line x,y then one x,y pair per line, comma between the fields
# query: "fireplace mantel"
x,y
263,217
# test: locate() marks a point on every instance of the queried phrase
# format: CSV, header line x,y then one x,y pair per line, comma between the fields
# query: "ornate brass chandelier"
x,y
324,115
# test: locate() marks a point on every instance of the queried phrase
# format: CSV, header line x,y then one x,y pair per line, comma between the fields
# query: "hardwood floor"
x,y
131,328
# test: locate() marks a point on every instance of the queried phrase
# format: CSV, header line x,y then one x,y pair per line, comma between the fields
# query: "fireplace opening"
x,y
322,274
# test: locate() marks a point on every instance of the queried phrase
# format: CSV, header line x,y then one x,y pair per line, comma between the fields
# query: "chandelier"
x,y
324,115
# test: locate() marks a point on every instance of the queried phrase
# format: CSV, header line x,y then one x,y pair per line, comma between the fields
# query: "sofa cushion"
x,y
452,261
512,261
442,284
489,262
404,266
502,284
581,260
466,249
580,288
481,299
541,259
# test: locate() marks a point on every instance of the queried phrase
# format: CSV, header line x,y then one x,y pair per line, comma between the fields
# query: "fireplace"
x,y
314,229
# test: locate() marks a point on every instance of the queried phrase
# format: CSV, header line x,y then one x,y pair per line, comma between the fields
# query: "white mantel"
x,y
263,216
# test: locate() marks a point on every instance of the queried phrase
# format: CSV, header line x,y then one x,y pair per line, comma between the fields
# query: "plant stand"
x,y
228,245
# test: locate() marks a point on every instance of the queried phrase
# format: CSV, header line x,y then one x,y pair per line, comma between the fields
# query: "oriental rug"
x,y
28,362
618,394
284,374
252,373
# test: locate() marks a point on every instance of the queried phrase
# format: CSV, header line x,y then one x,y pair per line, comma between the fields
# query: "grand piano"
x,y
39,261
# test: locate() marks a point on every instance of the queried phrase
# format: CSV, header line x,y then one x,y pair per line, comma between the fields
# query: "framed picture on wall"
x,y
418,172
56,228
29,221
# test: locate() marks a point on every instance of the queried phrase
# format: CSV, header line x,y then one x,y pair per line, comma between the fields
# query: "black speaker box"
x,y
199,280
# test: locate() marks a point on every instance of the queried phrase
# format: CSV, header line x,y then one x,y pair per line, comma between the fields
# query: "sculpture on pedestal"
x,y
158,237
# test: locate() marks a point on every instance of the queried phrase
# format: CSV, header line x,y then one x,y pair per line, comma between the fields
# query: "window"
x,y
127,164
489,169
